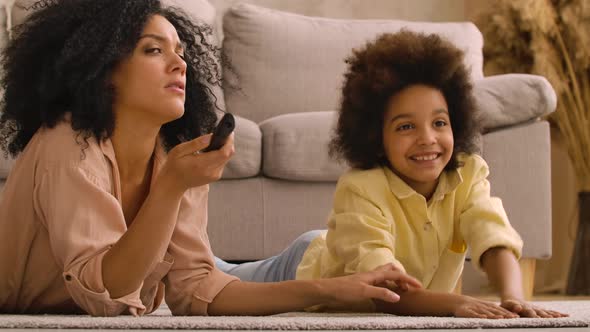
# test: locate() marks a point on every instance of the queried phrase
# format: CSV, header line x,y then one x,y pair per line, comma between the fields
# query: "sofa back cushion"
x,y
289,63
5,161
198,9
295,147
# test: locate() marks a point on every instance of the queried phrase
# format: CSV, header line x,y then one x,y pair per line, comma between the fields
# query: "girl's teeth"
x,y
422,158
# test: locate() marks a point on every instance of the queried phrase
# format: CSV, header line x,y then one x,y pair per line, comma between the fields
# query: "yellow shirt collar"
x,y
448,182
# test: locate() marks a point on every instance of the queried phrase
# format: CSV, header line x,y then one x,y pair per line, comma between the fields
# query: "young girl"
x,y
418,196
106,102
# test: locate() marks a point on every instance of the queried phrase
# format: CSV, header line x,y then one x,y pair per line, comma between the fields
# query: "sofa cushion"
x,y
248,155
198,9
6,163
287,63
505,100
295,147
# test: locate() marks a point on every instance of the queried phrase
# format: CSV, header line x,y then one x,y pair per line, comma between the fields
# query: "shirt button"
x,y
428,225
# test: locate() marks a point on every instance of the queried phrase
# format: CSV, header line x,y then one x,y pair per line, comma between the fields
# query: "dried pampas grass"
x,y
549,38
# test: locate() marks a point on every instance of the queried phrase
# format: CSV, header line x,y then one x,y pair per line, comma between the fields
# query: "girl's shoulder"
x,y
363,181
472,166
361,176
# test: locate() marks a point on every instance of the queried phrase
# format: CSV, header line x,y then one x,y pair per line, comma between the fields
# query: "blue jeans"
x,y
277,268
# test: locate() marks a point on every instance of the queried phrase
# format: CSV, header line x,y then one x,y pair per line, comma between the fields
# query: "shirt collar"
x,y
159,155
448,182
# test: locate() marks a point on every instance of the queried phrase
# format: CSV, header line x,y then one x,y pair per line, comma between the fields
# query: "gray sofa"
x,y
289,70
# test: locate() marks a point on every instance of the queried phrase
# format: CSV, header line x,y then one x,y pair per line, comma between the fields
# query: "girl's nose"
x,y
427,136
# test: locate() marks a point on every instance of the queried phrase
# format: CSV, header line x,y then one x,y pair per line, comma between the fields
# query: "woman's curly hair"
x,y
386,66
61,60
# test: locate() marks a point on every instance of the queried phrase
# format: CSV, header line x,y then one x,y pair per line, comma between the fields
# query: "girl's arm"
x,y
423,302
503,271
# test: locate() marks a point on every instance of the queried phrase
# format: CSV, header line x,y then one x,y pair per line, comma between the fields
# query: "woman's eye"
x,y
181,55
405,127
153,50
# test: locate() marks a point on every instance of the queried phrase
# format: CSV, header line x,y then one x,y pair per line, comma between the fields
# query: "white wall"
x,y
428,10
413,10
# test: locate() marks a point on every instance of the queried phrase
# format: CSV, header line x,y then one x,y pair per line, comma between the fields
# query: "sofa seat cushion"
x,y
287,63
295,147
506,100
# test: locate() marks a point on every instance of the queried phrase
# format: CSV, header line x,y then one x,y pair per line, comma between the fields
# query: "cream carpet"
x,y
161,319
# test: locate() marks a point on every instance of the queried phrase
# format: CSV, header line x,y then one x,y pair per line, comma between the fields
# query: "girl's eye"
x,y
440,123
181,55
406,126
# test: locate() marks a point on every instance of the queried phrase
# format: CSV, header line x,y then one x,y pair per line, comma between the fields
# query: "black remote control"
x,y
225,126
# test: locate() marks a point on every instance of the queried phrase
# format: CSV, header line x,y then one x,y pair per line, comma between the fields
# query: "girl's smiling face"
x,y
417,136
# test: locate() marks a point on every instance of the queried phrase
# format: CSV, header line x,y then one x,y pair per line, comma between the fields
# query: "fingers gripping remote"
x,y
225,127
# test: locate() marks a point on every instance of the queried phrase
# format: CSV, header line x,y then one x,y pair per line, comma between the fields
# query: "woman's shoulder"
x,y
62,145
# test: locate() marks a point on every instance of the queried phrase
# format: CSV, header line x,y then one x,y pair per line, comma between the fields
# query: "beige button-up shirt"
x,y
60,212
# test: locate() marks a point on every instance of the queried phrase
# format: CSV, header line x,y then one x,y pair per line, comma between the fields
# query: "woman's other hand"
x,y
349,291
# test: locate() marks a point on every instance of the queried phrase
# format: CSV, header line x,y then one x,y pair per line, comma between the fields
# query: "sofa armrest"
x,y
511,99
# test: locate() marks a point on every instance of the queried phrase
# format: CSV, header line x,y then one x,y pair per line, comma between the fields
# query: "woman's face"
x,y
417,136
150,83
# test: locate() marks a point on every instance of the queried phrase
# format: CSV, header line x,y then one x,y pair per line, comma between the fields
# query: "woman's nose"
x,y
178,64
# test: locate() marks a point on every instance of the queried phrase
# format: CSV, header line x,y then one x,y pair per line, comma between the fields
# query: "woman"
x,y
106,103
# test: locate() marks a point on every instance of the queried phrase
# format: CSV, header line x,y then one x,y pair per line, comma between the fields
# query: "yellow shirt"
x,y
377,219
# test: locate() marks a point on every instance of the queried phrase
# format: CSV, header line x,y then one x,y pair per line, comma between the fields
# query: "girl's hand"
x,y
187,167
525,309
471,307
348,291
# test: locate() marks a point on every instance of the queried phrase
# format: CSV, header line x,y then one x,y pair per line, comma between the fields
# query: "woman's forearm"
x,y
250,298
503,271
144,244
246,298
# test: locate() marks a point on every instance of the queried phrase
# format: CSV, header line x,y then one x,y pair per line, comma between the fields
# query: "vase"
x,y
579,275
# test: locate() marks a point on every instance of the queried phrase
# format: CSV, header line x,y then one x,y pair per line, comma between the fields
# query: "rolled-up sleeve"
x,y
483,220
83,221
359,234
193,281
